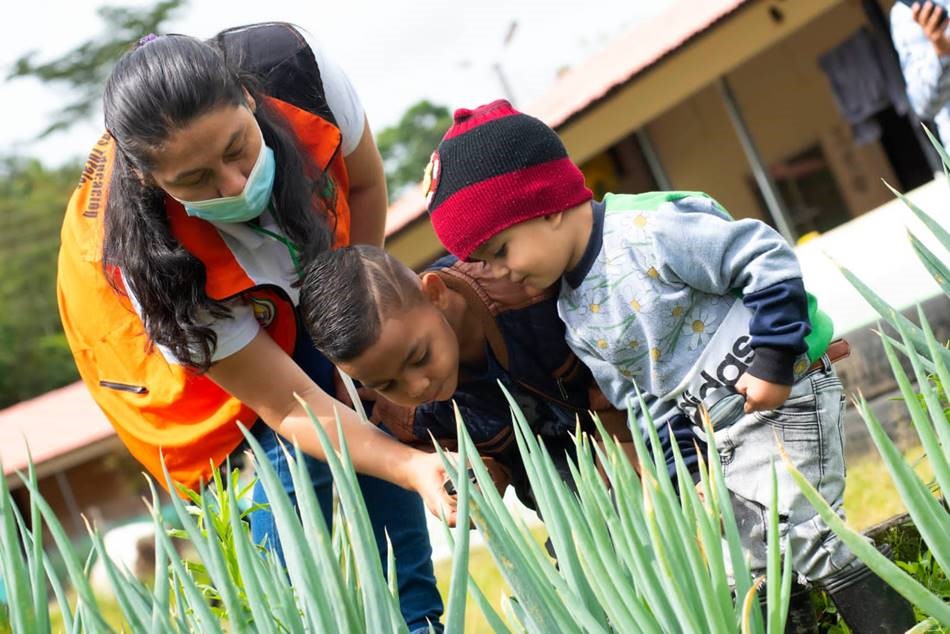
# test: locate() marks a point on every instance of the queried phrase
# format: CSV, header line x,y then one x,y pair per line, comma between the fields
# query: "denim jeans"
x,y
808,425
391,509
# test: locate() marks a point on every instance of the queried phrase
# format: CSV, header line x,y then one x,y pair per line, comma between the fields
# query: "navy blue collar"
x,y
575,277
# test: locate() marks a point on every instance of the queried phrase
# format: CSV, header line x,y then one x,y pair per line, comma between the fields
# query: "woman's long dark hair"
x,y
155,90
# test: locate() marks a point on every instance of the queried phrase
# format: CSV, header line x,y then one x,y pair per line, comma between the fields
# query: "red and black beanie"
x,y
497,167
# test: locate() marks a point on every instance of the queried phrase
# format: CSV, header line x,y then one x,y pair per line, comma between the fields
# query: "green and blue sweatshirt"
x,y
675,297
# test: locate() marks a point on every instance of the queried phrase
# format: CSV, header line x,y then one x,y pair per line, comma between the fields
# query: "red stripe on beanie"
x,y
471,216
466,119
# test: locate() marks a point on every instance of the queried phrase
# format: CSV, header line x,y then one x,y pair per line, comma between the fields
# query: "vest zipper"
x,y
124,387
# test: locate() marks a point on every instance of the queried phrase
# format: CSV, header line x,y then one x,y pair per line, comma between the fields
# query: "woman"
x,y
226,167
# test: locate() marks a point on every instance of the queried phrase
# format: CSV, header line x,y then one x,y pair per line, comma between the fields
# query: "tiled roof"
x,y
631,53
405,209
53,425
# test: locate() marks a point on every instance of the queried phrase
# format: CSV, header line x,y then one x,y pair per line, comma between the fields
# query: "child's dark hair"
x,y
348,293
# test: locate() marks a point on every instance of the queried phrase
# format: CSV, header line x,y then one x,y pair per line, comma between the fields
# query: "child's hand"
x,y
761,395
428,478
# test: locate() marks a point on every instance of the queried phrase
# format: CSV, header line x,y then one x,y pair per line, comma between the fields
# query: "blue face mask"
x,y
249,204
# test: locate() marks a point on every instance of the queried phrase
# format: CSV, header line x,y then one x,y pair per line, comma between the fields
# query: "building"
x,y
735,98
82,468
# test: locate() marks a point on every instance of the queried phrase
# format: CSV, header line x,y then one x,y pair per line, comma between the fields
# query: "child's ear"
x,y
435,290
251,104
555,219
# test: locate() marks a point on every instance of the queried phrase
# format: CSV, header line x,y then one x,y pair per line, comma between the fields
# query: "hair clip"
x,y
151,37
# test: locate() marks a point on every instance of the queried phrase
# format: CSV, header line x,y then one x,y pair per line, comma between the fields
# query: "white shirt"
x,y
926,74
341,97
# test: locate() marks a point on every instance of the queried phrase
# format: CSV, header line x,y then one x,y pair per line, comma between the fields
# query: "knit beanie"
x,y
495,168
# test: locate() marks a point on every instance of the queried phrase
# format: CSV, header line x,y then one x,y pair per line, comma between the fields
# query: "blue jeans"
x,y
391,508
808,425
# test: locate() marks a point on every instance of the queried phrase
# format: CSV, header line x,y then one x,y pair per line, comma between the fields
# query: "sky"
x,y
395,52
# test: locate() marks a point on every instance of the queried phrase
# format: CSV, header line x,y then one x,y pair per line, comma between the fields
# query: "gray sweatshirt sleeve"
x,y
697,244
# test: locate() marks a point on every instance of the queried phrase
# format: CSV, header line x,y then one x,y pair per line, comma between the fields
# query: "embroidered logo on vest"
x,y
264,311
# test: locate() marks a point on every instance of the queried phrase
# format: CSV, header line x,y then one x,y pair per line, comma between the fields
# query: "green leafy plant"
x,y
333,581
929,361
632,554
214,518
925,570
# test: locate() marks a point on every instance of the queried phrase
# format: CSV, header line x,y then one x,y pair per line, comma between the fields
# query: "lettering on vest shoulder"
x,y
93,175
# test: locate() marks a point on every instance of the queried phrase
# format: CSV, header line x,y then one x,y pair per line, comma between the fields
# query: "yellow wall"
x,y
415,245
726,45
788,106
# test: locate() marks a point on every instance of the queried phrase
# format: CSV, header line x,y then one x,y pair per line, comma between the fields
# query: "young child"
x,y
453,333
664,290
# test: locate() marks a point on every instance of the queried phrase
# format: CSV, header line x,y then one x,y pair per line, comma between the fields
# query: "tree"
x,y
407,146
85,68
34,356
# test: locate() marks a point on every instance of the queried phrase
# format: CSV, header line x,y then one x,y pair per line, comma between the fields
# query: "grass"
x,y
487,577
110,612
870,496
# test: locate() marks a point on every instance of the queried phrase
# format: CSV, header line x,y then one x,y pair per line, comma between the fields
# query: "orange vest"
x,y
157,407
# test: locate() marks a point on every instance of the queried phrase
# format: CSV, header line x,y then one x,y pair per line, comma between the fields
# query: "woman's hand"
x,y
761,395
427,478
